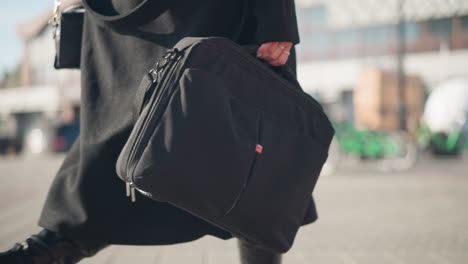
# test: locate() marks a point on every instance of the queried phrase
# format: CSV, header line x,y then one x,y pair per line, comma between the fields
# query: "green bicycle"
x,y
390,151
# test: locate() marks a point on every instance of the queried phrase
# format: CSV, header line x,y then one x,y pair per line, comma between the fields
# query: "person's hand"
x,y
275,53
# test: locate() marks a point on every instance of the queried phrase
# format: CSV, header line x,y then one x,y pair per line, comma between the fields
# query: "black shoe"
x,y
48,247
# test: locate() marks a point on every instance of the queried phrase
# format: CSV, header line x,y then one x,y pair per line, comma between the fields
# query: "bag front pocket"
x,y
275,200
200,153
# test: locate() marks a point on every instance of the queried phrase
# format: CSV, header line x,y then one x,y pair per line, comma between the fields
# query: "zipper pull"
x,y
132,193
174,54
130,188
127,185
154,75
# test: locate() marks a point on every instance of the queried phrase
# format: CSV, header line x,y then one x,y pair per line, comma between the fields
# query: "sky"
x,y
12,12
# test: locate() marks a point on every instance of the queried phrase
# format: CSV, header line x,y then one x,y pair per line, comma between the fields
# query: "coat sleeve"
x,y
276,21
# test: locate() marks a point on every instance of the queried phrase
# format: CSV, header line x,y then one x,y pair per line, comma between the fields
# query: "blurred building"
x,y
38,59
340,38
31,115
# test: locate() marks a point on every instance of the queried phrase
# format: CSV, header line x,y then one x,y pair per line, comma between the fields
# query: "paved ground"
x,y
419,216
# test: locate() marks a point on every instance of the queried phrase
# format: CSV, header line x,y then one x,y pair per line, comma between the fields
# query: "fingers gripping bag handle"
x,y
284,70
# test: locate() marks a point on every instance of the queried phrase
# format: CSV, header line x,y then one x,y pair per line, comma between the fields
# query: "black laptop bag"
x,y
229,139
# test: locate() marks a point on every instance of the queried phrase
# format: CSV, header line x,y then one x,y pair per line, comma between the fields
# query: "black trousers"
x,y
251,254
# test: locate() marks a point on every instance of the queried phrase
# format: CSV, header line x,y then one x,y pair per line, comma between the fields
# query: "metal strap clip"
x,y
55,20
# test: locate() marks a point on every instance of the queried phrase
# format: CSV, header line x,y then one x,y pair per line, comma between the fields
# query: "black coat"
x,y
122,39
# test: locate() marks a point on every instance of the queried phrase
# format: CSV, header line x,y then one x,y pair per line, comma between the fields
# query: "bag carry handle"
x,y
284,70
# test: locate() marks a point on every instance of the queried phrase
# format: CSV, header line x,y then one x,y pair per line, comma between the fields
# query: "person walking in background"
x,y
86,208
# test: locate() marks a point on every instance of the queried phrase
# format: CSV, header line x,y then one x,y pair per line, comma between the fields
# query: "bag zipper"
x,y
169,62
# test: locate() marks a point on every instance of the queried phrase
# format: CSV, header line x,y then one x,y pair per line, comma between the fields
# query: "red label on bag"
x,y
259,149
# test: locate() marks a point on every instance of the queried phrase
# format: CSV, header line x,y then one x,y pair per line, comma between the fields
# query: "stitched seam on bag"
x,y
251,170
